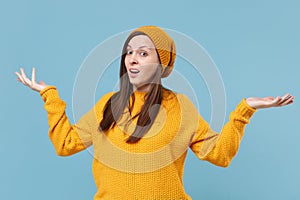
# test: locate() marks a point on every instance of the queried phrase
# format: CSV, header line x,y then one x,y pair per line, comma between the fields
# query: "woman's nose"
x,y
133,59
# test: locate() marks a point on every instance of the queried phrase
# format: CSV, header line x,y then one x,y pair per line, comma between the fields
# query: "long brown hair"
x,y
112,113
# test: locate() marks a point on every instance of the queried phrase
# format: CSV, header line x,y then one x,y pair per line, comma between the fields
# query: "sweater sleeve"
x,y
67,139
220,148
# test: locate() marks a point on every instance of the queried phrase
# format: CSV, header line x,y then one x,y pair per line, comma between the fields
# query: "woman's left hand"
x,y
268,102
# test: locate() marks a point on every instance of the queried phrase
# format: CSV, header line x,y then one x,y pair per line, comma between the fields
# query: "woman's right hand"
x,y
30,83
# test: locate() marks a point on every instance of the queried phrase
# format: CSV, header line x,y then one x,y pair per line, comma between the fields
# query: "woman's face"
x,y
141,62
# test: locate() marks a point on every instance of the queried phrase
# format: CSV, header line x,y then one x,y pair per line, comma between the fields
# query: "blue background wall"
x,y
255,46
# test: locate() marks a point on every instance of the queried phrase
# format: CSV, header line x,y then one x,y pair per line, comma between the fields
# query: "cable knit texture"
x,y
151,169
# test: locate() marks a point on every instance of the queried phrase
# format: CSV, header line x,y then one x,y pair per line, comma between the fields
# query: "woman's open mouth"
x,y
133,72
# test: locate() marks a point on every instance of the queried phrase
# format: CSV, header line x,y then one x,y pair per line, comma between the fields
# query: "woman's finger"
x,y
42,83
20,78
26,80
286,98
286,95
287,101
33,76
292,101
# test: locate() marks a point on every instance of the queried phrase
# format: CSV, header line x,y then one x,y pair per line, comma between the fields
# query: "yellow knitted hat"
x,y
164,45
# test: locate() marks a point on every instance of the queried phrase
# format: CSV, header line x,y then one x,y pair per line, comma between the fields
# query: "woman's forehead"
x,y
140,41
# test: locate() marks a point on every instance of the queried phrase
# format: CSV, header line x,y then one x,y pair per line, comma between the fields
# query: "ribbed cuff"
x,y
244,109
49,92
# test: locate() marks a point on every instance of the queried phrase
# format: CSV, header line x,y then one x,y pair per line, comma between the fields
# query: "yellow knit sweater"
x,y
152,168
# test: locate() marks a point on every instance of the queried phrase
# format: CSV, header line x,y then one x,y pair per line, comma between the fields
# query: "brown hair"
x,y
112,113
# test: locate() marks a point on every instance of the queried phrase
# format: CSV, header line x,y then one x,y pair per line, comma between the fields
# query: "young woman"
x,y
141,133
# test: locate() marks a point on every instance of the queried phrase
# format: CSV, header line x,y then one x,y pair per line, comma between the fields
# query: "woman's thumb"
x,y
42,83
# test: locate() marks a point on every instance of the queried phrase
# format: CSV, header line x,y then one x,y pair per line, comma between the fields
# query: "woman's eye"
x,y
144,54
129,52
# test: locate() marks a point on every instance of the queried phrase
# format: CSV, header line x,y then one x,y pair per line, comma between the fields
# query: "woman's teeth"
x,y
135,71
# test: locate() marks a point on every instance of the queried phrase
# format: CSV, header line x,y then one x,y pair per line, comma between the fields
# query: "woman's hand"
x,y
268,102
30,83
